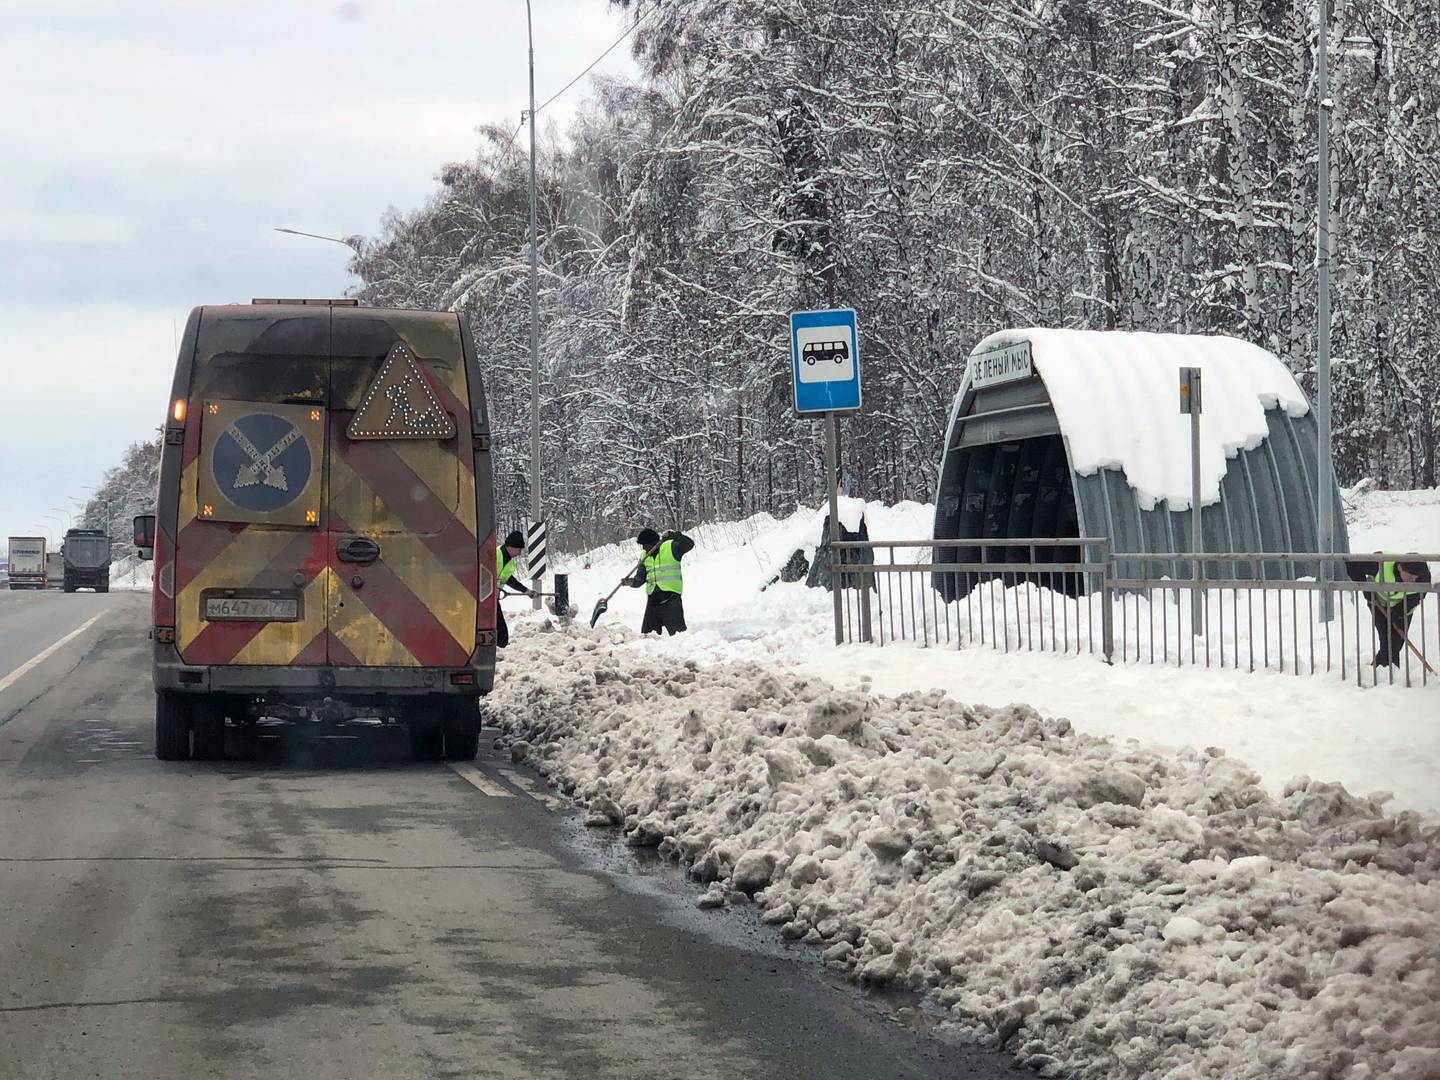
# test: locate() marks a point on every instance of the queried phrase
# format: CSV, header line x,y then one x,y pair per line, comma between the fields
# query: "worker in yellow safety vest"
x,y
663,579
1390,608
505,556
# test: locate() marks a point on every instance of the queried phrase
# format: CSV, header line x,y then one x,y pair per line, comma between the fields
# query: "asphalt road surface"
x,y
335,911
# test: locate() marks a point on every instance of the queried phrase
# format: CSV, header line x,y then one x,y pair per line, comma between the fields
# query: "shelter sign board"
x,y
1190,391
1009,363
825,348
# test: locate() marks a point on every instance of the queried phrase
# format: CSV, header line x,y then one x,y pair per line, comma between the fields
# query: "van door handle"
x,y
357,549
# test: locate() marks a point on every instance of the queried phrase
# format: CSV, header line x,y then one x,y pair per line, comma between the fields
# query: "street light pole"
x,y
534,304
1325,495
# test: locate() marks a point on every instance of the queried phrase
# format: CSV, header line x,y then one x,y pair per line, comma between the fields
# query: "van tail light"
x,y
485,594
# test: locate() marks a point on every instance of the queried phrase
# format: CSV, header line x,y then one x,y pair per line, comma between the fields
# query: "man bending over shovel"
x,y
1391,609
663,579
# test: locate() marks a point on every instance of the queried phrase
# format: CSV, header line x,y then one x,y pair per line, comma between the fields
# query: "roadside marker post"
x,y
536,556
825,368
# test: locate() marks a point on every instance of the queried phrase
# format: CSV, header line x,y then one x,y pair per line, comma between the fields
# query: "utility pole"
x,y
534,305
1325,494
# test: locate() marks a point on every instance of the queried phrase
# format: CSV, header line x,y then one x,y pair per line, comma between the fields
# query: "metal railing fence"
x,y
1249,611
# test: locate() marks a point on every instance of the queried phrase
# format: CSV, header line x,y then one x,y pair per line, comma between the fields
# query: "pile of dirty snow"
x,y
1102,912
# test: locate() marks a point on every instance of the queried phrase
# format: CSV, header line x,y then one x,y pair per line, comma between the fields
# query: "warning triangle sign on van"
x,y
401,404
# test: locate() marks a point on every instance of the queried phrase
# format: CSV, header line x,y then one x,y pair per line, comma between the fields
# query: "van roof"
x,y
345,301
322,309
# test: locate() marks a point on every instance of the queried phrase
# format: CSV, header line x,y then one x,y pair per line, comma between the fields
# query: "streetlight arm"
x,y
351,244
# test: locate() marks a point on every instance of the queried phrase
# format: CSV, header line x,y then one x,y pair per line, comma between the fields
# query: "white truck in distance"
x,y
27,562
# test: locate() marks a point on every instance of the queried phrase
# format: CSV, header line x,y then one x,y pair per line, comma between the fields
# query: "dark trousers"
x,y
663,611
502,631
1392,621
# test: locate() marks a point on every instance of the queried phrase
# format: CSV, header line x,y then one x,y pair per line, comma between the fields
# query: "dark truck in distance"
x,y
87,560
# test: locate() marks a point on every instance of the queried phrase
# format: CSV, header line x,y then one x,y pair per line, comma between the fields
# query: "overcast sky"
x,y
147,151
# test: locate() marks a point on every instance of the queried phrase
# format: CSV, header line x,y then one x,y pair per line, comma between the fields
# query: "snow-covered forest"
x,y
947,169
124,491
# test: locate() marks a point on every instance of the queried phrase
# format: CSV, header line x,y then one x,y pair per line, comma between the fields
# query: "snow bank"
x,y
132,574
1097,379
1101,911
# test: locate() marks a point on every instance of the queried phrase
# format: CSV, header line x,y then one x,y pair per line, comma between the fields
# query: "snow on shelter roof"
x,y
1116,397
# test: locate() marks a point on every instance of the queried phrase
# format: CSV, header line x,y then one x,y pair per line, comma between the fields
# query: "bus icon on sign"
x,y
823,352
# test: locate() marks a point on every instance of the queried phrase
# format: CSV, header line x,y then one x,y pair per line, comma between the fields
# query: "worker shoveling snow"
x,y
1101,912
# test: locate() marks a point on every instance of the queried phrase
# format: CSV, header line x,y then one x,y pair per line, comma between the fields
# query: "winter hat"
x,y
648,537
515,540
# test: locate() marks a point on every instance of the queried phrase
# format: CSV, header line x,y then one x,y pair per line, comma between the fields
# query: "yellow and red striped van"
x,y
325,500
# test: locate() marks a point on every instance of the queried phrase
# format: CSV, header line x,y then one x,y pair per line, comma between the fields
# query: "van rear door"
x,y
251,558
401,514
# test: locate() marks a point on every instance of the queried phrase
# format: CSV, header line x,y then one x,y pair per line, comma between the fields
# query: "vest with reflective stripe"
x,y
504,566
662,571
1386,576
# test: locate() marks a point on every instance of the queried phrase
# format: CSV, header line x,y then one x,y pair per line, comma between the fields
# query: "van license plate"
x,y
252,608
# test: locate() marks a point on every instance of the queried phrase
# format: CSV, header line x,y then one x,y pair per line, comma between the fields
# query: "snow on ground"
x,y
1394,520
1103,911
1375,739
131,573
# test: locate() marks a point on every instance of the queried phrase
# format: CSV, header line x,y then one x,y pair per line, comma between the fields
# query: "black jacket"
x,y
1366,569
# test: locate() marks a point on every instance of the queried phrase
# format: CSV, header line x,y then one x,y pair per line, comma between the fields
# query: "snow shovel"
x,y
603,604
1390,618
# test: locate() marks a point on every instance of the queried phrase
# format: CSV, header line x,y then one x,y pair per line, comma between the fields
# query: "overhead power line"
x,y
591,66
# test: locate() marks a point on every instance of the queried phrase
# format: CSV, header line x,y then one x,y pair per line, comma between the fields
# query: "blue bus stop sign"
x,y
826,356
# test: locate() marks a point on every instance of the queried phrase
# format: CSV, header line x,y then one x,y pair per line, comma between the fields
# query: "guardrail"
x,y
1294,612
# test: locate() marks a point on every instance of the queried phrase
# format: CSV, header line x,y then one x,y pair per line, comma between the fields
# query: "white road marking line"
x,y
44,655
479,781
532,787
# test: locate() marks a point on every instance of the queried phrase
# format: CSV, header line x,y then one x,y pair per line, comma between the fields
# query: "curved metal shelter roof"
x,y
1079,433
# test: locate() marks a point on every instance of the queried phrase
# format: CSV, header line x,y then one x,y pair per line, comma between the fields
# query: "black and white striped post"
x,y
536,557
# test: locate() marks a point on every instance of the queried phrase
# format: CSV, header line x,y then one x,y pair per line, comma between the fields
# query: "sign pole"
x,y
1197,537
831,472
1197,595
825,362
534,305
1325,495
1191,404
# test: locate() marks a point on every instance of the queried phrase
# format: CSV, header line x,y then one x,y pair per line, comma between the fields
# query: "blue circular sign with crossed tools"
x,y
261,462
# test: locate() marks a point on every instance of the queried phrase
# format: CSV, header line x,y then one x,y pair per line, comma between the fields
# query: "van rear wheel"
x,y
172,728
